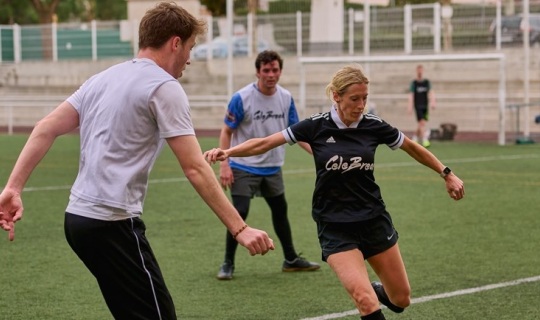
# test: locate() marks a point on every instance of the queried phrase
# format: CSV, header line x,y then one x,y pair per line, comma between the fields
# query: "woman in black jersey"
x,y
352,222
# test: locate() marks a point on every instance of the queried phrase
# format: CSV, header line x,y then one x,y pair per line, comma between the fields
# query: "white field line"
x,y
289,172
438,296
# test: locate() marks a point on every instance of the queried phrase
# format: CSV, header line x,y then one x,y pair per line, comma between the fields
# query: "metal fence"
x,y
410,29
53,42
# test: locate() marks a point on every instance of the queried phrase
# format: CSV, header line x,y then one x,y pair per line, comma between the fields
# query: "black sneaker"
x,y
299,264
383,298
226,271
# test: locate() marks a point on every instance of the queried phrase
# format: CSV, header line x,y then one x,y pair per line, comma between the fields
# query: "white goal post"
x,y
500,57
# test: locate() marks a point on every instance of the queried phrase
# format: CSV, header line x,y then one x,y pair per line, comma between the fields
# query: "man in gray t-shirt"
x,y
255,111
125,115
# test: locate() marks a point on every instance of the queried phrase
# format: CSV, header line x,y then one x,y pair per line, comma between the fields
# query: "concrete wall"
x,y
467,92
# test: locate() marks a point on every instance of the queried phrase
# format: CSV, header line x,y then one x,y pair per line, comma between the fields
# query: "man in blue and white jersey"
x,y
258,110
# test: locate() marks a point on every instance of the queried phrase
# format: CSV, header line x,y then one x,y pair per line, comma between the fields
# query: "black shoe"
x,y
299,264
226,271
383,298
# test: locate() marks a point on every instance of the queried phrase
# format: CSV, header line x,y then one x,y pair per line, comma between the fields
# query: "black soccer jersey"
x,y
420,91
345,188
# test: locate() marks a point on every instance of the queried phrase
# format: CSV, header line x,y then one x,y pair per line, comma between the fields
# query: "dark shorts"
x,y
249,185
371,237
119,256
422,112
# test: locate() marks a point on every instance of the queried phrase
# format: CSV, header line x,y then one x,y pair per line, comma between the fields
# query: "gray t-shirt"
x,y
125,112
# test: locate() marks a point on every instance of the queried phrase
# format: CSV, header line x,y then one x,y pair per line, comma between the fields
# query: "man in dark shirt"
x,y
422,97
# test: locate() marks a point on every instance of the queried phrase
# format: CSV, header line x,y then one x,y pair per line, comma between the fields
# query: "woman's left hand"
x,y
454,187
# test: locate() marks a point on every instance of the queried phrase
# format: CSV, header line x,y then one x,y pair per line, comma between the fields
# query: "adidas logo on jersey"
x,y
331,140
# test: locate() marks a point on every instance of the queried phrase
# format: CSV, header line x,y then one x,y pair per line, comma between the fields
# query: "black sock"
x,y
377,315
280,220
383,298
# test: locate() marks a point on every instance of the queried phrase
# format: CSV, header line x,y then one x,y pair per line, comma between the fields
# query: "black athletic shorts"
x,y
371,237
119,256
422,112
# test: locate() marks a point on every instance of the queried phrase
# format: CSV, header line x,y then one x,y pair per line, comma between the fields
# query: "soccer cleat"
x,y
226,271
383,298
426,144
299,264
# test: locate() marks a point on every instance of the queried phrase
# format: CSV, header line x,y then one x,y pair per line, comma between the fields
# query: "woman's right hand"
x,y
214,155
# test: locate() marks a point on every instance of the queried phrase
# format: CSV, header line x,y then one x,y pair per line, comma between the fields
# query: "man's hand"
x,y
256,241
11,211
226,177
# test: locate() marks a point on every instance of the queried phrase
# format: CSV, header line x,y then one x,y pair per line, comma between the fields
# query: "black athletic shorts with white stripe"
x,y
120,258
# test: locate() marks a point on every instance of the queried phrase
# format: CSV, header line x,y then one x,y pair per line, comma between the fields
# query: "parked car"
x,y
219,47
512,28
534,28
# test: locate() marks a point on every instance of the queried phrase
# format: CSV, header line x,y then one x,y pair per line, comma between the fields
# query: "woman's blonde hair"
x,y
343,78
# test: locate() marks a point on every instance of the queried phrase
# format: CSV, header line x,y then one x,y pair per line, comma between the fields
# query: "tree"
x,y
46,10
72,10
216,7
16,11
110,9
106,10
